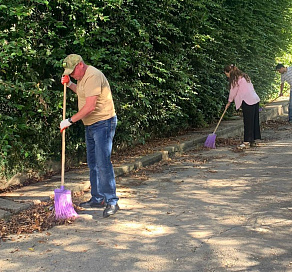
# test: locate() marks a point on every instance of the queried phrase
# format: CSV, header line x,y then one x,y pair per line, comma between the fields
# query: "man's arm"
x,y
89,107
281,89
73,87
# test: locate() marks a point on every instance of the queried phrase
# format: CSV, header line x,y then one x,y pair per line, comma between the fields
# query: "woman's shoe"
x,y
253,144
244,145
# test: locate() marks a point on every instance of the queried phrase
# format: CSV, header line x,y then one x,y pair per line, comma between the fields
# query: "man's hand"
x,y
64,124
66,79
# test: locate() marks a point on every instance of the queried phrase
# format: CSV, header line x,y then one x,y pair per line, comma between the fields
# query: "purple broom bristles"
x,y
210,141
63,204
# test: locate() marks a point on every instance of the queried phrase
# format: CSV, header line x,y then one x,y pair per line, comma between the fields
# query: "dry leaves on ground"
x,y
38,218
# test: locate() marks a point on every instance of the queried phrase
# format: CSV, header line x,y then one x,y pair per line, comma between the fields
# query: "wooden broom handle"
x,y
220,120
63,139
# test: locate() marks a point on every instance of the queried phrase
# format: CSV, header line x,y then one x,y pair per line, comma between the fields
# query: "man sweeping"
x,y
97,112
286,75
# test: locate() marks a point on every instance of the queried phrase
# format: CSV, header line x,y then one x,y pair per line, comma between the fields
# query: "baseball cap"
x,y
70,62
279,66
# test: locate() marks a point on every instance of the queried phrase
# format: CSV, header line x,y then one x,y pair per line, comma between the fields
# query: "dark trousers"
x,y
251,121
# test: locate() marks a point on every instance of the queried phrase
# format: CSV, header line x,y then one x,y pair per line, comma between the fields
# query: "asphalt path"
x,y
206,210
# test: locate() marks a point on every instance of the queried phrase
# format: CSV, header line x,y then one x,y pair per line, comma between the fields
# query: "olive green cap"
x,y
70,62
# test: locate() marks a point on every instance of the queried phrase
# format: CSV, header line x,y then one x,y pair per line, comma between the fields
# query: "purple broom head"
x,y
210,141
63,204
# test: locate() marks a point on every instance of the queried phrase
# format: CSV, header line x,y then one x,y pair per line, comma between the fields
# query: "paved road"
x,y
209,210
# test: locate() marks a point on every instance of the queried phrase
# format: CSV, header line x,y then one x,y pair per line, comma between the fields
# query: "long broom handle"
x,y
220,120
63,139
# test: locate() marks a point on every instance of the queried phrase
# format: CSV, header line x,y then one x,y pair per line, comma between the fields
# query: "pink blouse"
x,y
243,91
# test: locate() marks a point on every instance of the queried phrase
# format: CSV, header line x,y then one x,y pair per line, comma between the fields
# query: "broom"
x,y
210,141
63,202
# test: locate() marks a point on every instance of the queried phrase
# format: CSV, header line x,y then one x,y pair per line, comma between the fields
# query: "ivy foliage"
x,y
163,59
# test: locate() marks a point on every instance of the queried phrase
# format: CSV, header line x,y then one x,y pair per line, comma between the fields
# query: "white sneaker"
x,y
244,145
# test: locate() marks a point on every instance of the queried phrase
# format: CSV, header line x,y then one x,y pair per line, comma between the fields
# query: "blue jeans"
x,y
99,140
290,106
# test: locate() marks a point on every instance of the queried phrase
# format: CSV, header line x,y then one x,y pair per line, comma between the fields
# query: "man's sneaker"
x,y
92,204
110,210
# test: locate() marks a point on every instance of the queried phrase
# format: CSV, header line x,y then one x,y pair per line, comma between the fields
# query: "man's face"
x,y
78,71
281,70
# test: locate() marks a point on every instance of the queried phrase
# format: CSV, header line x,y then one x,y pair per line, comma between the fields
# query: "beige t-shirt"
x,y
95,83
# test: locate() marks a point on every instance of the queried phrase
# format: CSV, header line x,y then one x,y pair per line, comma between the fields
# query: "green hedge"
x,y
164,61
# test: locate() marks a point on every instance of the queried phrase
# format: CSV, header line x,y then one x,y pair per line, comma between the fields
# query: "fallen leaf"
x,y
15,250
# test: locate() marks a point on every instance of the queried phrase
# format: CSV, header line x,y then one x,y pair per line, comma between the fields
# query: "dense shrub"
x,y
164,61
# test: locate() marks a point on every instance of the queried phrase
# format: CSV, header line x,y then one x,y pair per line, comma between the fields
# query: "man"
x,y
286,75
97,112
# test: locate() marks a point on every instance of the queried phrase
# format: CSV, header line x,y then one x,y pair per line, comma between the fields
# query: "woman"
x,y
243,94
